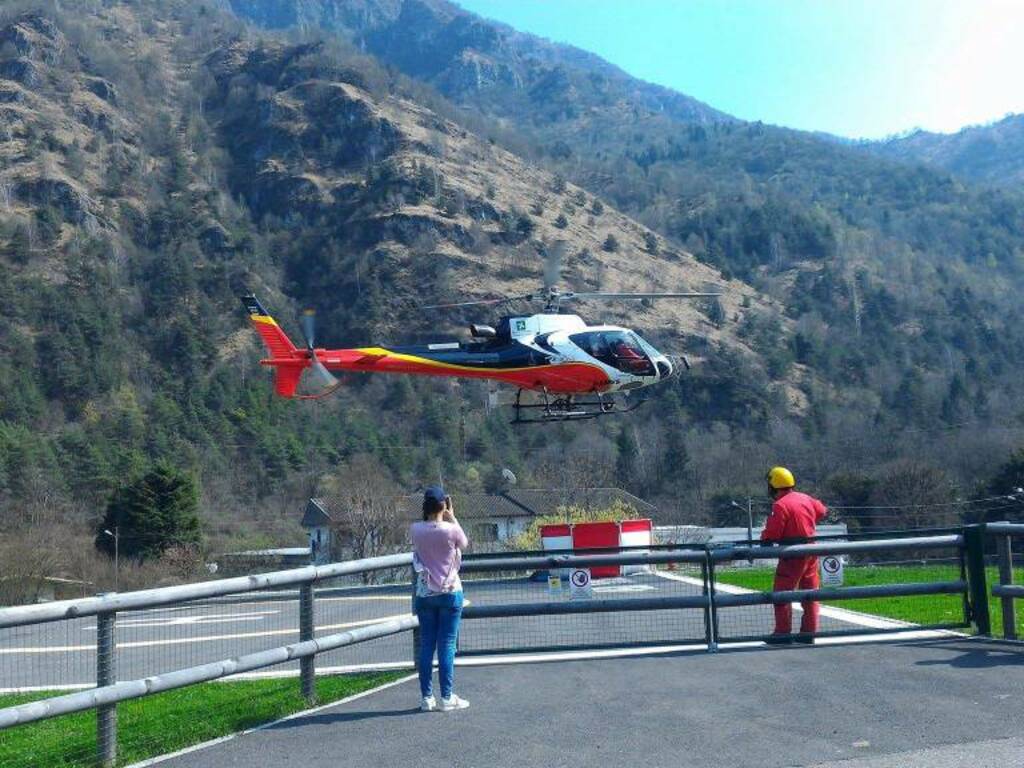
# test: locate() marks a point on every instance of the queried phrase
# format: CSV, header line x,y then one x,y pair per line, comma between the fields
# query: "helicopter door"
x,y
619,349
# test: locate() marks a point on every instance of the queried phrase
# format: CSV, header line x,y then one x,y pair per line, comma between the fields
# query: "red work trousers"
x,y
796,573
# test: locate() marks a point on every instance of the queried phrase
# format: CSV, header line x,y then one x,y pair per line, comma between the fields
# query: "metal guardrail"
x,y
704,596
108,693
838,547
493,564
154,598
114,693
1006,590
712,600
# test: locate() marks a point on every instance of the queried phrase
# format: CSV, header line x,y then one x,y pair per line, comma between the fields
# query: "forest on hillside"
x,y
144,184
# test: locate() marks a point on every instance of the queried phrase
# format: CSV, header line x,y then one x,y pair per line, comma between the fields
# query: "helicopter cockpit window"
x,y
619,349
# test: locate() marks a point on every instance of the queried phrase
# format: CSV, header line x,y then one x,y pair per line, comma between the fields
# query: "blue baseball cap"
x,y
434,493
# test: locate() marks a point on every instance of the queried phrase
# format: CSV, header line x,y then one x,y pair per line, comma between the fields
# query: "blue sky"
x,y
857,68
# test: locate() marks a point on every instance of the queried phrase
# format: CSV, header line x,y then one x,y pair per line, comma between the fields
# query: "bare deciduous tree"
x,y
363,500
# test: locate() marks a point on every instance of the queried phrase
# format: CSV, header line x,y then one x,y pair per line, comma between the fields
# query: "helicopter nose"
x,y
664,368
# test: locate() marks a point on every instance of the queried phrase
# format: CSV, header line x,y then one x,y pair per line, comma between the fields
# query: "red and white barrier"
x,y
598,535
636,533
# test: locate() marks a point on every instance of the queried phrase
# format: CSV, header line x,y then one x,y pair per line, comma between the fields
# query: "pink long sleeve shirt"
x,y
438,554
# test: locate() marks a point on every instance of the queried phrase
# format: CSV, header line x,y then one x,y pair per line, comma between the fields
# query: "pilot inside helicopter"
x,y
619,349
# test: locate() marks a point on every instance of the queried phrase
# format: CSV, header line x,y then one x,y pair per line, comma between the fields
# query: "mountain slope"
x,y
157,159
451,214
466,57
879,262
990,154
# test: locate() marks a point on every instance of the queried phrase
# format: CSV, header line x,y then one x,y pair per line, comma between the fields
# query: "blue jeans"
x,y
439,617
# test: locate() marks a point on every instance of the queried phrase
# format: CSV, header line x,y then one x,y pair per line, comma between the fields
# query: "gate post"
x,y
707,568
307,664
1005,546
974,541
106,674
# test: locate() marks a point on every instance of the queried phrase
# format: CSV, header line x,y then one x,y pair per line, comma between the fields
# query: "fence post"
x,y
1005,546
307,664
712,593
974,541
106,674
416,631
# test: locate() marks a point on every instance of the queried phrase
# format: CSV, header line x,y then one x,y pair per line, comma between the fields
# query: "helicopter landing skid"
x,y
567,408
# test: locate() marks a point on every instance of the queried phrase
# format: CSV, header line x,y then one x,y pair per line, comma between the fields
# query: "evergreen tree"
x,y
1010,476
153,513
626,462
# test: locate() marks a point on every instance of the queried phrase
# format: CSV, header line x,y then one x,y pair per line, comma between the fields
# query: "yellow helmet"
x,y
780,477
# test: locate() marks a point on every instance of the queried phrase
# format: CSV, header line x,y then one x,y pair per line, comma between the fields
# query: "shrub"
x,y
574,513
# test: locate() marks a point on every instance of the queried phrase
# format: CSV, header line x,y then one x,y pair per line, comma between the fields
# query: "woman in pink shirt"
x,y
437,544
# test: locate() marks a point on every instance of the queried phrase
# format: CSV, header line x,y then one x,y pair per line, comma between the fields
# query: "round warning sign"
x,y
831,571
579,583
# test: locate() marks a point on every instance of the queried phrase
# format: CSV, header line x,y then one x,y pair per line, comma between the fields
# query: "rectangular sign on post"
x,y
554,583
831,571
579,584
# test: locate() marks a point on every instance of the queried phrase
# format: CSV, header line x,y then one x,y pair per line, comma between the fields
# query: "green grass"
x,y
168,721
926,609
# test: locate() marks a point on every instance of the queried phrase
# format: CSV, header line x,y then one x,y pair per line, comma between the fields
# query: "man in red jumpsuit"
x,y
794,516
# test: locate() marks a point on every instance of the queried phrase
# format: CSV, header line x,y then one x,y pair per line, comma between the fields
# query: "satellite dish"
x,y
509,476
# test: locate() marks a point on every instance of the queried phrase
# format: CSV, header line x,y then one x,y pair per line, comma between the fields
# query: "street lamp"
x,y
750,517
116,536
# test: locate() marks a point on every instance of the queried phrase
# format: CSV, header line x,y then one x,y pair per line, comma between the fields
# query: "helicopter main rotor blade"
x,y
606,295
480,302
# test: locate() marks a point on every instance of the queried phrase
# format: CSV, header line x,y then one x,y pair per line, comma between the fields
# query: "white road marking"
x,y
318,600
203,639
614,588
175,621
304,713
215,603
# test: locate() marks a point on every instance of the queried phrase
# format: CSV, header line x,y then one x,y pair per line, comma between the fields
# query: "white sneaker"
x,y
453,702
428,704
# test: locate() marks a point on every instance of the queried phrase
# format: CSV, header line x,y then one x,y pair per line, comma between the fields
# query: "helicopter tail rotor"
x,y
289,361
327,379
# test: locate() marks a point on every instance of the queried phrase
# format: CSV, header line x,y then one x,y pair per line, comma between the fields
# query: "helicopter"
x,y
576,369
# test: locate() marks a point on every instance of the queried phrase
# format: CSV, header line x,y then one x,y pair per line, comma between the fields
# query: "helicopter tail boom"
x,y
287,360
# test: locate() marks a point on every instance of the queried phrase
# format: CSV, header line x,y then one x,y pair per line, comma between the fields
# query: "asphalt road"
x,y
925,704
62,654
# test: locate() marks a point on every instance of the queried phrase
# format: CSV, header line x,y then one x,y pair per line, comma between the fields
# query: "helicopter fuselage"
x,y
554,353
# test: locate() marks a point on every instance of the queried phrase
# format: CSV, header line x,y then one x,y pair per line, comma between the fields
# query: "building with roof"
x,y
490,519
